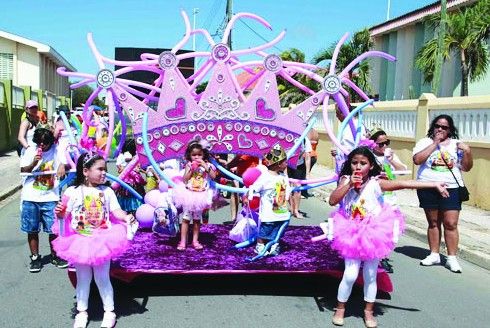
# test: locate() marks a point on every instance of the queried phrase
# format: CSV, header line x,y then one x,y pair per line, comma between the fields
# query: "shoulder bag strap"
x,y
442,156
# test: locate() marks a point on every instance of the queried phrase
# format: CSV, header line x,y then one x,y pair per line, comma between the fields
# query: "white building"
x,y
403,37
30,63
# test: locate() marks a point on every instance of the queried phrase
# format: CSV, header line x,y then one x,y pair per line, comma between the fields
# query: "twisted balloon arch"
x,y
230,120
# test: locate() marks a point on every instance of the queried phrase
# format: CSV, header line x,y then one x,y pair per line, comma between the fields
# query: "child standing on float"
x,y
93,234
194,195
274,189
364,229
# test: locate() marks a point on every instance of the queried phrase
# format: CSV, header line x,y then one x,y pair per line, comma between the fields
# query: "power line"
x,y
257,34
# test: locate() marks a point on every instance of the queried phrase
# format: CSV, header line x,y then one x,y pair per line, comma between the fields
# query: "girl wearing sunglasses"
x,y
383,152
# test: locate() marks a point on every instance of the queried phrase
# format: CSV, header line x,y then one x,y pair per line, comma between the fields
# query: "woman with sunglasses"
x,y
442,157
27,126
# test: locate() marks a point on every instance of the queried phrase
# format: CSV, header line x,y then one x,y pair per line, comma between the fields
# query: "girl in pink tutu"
x,y
94,232
366,227
194,195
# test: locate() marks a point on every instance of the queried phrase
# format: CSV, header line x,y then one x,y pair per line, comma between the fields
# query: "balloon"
x,y
144,215
153,197
163,186
250,176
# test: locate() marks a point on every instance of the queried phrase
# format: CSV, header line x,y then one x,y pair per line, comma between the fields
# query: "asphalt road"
x,y
423,297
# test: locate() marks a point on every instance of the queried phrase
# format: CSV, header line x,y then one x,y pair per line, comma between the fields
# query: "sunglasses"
x,y
443,127
384,143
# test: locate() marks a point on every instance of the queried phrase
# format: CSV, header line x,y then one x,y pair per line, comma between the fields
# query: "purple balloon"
x,y
153,197
163,186
144,215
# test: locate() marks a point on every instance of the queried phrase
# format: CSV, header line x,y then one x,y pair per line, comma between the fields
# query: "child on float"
x,y
194,195
93,234
40,194
273,187
128,202
364,226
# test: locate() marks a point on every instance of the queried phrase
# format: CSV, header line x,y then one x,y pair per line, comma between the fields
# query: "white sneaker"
x,y
275,249
259,248
81,320
452,264
109,320
433,258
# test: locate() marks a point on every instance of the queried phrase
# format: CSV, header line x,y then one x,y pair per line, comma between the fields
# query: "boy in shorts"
x,y
40,194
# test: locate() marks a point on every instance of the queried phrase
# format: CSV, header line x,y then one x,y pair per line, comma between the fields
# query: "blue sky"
x,y
311,25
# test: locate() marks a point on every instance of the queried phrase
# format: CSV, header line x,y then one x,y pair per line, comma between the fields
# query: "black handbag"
x,y
464,194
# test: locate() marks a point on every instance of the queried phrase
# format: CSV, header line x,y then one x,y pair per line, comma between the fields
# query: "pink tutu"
x,y
366,239
192,200
101,246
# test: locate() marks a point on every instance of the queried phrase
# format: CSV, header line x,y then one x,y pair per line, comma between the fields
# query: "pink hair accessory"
x,y
367,143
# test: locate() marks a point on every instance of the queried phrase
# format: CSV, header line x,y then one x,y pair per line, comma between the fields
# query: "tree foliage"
x,y
361,42
467,31
80,96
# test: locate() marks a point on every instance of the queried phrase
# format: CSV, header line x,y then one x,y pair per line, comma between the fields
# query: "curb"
x,y
420,234
10,192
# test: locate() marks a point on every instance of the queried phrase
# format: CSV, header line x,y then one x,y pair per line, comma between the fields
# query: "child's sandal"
x,y
338,317
369,320
197,246
181,247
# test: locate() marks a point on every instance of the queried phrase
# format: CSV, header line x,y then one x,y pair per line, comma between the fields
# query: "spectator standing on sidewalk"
x,y
314,137
27,126
442,157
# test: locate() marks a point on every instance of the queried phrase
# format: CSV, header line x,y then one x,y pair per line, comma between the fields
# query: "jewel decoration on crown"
x,y
230,120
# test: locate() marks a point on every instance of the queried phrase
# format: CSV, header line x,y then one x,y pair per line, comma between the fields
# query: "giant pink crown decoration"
x,y
222,114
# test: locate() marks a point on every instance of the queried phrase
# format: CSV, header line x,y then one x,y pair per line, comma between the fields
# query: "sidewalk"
x,y
474,223
9,174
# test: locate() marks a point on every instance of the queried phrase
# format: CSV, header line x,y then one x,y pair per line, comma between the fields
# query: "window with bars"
x,y
6,66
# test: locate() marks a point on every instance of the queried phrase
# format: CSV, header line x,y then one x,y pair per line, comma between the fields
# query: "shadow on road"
x,y
412,251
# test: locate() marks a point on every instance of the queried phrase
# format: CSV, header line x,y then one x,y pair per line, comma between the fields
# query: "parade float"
x,y
167,114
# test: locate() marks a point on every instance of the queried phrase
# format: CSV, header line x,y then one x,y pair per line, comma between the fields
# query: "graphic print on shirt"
x,y
279,203
436,161
91,214
197,181
45,182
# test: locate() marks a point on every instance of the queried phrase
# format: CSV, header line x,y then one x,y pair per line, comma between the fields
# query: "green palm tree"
x,y
289,94
360,43
466,33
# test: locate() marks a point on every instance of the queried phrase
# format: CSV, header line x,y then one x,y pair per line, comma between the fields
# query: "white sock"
x,y
450,257
432,254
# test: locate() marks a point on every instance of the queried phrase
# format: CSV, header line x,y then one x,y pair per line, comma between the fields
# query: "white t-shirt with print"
x,y
368,201
434,168
274,195
90,207
41,188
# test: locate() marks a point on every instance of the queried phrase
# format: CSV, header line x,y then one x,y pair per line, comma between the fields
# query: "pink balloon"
x,y
163,186
250,176
144,215
153,197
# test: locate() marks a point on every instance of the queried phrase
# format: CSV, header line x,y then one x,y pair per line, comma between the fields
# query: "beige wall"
x,y
27,66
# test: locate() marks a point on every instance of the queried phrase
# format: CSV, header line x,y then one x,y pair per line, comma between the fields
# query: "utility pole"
x,y
388,10
229,14
436,80
194,14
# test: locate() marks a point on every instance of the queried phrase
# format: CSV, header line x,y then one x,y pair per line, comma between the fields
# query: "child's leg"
x,y
351,272
103,281
84,278
345,288
369,273
196,228
184,229
33,241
